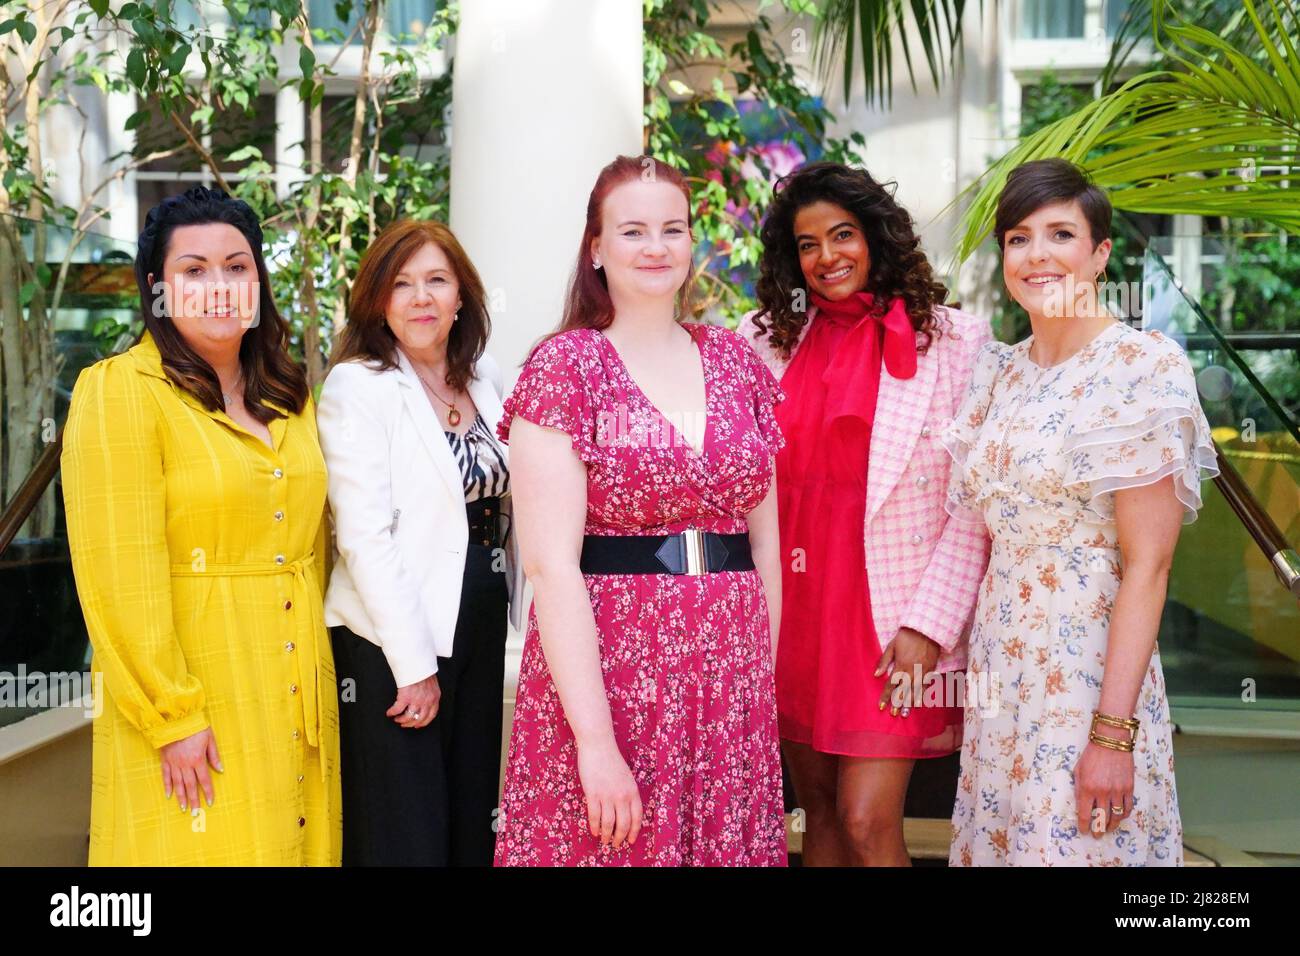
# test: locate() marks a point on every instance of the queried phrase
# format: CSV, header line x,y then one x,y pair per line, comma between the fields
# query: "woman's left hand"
x,y
908,649
1103,782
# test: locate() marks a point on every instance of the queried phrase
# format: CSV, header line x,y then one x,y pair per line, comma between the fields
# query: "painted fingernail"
x,y
882,705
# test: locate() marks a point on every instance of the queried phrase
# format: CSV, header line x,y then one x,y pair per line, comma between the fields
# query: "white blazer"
x,y
398,503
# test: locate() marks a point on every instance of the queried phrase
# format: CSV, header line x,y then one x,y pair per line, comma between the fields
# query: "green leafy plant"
x,y
720,133
1215,132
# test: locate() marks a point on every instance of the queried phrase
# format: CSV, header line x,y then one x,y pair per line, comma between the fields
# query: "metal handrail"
x,y
1259,524
24,501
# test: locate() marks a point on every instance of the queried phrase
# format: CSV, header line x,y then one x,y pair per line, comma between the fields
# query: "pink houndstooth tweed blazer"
x,y
924,569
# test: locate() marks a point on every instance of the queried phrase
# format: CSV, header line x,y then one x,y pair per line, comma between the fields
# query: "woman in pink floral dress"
x,y
642,463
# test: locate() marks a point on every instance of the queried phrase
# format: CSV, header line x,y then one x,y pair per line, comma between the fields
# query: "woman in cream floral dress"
x,y
1081,449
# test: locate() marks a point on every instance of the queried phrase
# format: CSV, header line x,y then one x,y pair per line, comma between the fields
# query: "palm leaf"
x,y
868,28
1204,137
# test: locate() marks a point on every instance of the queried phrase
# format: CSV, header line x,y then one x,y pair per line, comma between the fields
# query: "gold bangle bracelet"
x,y
1110,743
1124,723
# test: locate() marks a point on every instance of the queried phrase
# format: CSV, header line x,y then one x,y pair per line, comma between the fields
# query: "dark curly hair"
x,y
270,375
898,266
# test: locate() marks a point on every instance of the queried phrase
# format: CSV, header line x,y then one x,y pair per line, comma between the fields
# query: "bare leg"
x,y
869,800
814,776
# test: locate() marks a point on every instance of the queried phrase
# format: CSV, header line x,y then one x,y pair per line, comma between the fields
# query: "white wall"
x,y
545,94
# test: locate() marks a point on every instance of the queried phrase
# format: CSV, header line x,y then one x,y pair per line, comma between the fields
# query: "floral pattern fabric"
x,y
686,660
1038,454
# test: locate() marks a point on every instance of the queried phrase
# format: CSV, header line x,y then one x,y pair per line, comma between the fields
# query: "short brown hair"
x,y
1033,185
367,335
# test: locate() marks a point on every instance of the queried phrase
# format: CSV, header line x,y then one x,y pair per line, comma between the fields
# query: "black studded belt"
x,y
691,552
485,524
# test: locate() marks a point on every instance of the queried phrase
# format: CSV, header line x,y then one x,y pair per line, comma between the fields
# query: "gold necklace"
x,y
453,416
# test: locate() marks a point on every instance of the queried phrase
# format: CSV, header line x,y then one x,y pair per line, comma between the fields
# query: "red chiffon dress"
x,y
826,688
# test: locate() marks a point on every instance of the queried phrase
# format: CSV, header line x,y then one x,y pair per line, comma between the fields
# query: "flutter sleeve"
x,y
960,436
553,391
1140,423
766,392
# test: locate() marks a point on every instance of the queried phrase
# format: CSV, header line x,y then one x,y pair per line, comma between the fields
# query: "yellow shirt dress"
x,y
199,555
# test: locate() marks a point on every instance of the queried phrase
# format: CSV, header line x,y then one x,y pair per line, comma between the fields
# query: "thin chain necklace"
x,y
453,415
229,396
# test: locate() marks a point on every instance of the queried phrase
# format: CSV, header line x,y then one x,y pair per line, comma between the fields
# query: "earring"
x,y
595,263
456,315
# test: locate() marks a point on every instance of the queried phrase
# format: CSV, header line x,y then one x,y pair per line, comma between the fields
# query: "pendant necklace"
x,y
453,415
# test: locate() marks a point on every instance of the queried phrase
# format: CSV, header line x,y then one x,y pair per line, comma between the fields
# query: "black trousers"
x,y
426,797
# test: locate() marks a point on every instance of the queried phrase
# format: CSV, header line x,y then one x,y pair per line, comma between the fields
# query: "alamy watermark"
x,y
38,690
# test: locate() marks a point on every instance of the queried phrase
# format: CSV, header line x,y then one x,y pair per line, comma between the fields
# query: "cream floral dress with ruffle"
x,y
1038,456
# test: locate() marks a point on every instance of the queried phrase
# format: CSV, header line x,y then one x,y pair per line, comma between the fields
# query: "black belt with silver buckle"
x,y
691,552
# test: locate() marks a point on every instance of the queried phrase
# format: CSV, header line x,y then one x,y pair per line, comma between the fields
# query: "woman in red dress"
x,y
878,584
642,465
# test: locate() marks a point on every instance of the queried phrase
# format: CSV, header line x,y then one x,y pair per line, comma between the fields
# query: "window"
x,y
1051,19
408,131
401,17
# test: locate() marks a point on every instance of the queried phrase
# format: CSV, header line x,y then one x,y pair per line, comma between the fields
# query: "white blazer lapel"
x,y
429,427
901,406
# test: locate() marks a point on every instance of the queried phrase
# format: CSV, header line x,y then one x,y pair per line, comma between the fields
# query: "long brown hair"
x,y
367,335
898,266
587,304
270,376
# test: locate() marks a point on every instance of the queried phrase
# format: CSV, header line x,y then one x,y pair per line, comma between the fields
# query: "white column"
x,y
290,132
544,94
123,220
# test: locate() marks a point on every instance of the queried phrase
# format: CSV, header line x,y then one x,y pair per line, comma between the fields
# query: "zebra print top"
x,y
481,461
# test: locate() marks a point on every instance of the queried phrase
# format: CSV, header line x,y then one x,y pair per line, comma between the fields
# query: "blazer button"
x,y
289,646
925,431
279,516
917,539
922,481
293,688
287,606
300,778
302,821
279,559
278,473
296,735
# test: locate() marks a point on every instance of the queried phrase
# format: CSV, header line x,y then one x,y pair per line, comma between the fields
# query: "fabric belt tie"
x,y
307,628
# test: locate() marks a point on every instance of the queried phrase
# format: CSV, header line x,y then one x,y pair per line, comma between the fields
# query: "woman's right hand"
x,y
185,767
416,704
613,800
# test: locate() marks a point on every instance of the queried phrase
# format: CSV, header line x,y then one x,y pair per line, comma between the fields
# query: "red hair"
x,y
587,304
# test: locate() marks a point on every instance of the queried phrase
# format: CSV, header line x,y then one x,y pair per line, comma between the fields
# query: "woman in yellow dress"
x,y
195,494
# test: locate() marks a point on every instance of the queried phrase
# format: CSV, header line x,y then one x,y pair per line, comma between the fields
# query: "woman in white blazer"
x,y
425,564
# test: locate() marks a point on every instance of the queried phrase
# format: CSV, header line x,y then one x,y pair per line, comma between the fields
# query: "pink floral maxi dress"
x,y
686,659
1038,455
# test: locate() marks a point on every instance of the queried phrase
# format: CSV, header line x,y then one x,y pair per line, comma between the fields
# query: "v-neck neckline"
x,y
691,450
276,440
